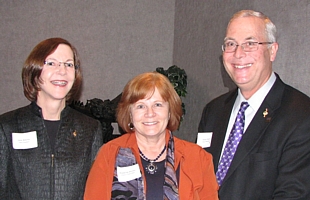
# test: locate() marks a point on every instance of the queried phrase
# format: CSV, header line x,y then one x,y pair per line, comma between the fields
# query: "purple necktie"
x,y
232,144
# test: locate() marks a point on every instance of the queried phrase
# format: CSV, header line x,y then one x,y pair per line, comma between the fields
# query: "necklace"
x,y
151,167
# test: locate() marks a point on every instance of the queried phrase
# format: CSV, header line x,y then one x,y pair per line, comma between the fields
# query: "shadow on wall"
x,y
225,77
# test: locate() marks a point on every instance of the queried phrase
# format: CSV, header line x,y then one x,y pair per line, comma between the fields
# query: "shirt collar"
x,y
258,97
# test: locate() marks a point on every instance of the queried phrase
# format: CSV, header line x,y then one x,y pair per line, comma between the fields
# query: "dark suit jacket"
x,y
273,157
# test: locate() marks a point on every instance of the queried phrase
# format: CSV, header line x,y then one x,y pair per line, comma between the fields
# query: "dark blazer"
x,y
273,157
39,173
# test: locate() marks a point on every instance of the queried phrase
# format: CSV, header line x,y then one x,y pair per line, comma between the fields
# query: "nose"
x,y
61,69
239,52
150,112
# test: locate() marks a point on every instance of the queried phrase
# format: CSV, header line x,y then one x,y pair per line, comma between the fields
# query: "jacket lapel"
x,y
258,126
219,130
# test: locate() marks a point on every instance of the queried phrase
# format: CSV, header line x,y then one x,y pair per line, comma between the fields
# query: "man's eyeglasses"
x,y
229,47
55,64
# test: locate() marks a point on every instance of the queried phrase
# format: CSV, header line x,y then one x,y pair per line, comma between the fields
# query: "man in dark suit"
x,y
267,156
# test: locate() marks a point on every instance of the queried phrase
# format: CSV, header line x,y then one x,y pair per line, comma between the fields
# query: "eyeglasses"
x,y
55,63
230,47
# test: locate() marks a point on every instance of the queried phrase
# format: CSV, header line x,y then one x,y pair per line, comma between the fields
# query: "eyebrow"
x,y
228,38
248,38
251,38
70,59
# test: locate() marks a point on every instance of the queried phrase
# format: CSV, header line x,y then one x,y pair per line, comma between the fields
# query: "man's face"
x,y
249,70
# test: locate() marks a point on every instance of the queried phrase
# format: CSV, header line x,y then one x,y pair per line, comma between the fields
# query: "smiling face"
x,y
57,81
249,70
150,115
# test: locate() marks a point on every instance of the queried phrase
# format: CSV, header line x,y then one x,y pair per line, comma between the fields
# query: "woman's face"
x,y
58,75
150,116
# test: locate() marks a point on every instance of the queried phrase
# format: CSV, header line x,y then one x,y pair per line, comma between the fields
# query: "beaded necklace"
x,y
151,168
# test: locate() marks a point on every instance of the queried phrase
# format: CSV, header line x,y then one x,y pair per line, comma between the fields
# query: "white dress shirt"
x,y
254,103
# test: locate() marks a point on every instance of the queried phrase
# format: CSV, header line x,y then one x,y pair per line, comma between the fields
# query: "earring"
x,y
131,126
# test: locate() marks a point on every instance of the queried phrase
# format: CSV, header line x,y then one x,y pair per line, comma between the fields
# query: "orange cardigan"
x,y
197,178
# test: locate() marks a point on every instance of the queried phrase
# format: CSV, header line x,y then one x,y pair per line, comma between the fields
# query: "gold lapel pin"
x,y
265,113
74,133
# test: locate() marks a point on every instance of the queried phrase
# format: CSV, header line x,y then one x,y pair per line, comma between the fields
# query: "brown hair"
x,y
142,86
33,66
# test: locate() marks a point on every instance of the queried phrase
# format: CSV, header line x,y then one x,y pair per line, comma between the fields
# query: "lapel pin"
x,y
74,133
265,113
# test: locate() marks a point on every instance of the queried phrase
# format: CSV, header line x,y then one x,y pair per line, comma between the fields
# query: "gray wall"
x,y
118,39
199,32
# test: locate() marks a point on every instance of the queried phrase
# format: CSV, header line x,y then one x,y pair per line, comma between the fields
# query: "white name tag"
x,y
24,140
204,139
128,173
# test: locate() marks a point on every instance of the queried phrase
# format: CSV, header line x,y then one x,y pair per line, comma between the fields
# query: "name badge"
x,y
128,173
204,139
25,140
